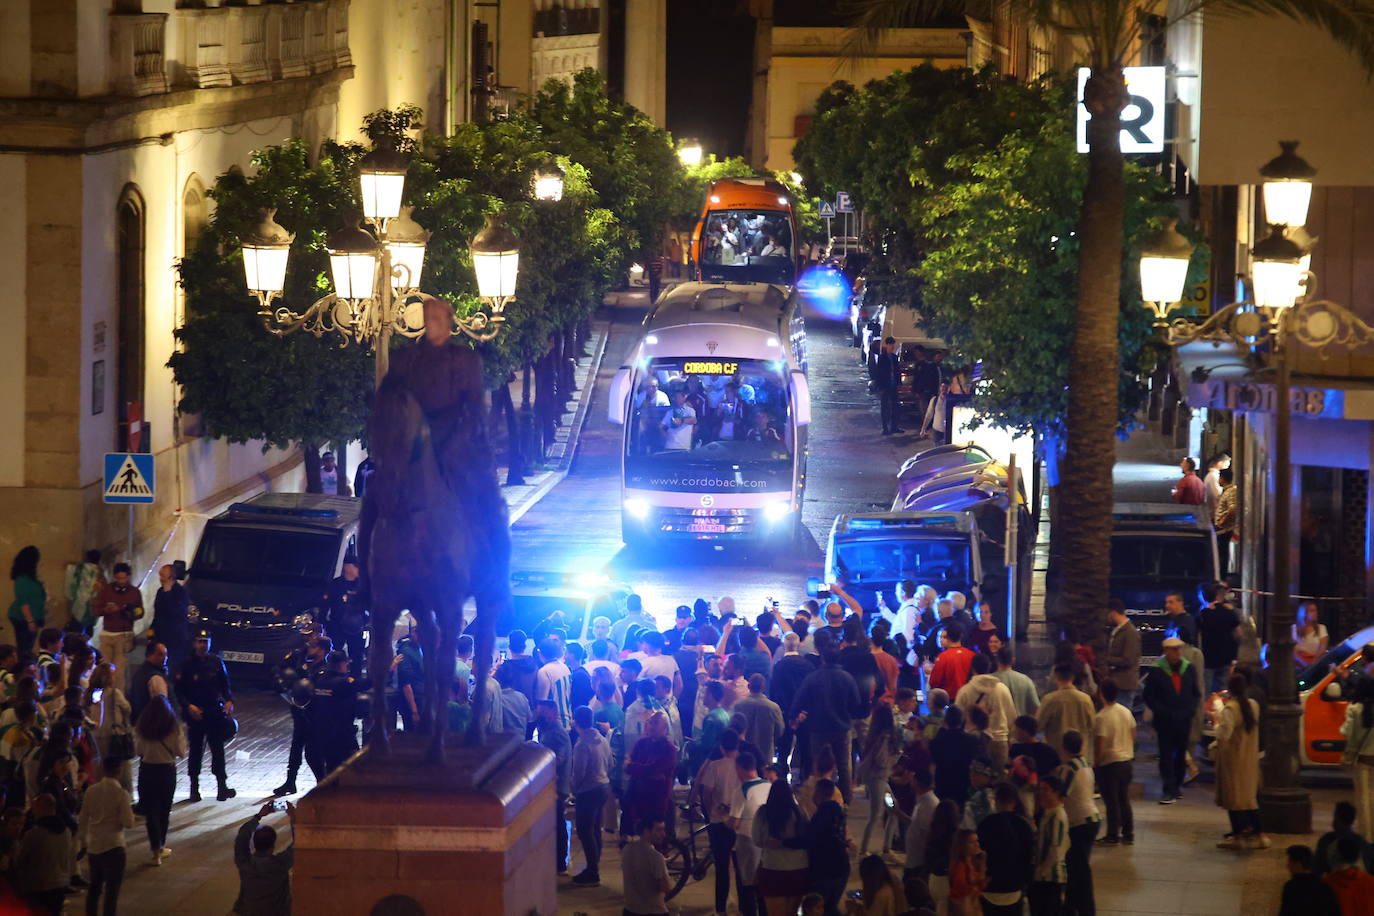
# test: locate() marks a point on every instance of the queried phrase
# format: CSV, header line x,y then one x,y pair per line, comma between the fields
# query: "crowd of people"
x,y
738,238
683,412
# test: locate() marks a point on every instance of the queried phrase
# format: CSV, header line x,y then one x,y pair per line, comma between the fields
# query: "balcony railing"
x,y
229,46
137,54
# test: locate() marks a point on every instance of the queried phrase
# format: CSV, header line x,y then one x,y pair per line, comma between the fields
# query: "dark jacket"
x,y
555,737
788,674
858,661
1308,895
926,378
203,682
169,616
41,861
345,608
333,709
1184,626
1123,656
830,699
1171,708
297,675
885,371
1009,841
825,842
953,751
139,694
264,880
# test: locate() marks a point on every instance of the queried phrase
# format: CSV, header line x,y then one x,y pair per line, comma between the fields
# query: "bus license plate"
x,y
706,526
246,658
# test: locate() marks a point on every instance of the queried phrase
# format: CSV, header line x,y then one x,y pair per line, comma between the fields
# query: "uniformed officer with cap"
x,y
345,613
202,687
296,675
333,736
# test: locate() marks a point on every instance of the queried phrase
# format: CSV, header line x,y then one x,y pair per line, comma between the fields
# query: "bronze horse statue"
x,y
420,548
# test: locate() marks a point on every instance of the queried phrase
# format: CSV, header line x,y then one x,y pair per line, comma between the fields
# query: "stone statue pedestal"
x,y
473,836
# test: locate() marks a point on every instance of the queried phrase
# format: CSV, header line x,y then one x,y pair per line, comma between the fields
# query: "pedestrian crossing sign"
x,y
129,478
827,210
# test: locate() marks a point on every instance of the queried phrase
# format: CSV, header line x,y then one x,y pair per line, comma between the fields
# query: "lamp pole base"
x,y
1286,810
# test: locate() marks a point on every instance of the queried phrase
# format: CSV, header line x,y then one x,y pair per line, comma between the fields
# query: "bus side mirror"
x,y
801,398
619,400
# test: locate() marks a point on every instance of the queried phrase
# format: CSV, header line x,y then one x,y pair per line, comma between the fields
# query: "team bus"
x,y
715,409
747,233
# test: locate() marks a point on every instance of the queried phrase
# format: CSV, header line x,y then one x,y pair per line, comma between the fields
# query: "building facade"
x,y
115,119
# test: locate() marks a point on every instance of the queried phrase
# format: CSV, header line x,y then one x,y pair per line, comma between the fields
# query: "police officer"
x,y
332,733
345,614
296,675
203,689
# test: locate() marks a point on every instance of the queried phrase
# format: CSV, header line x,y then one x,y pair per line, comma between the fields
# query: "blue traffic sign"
x,y
842,202
827,210
129,478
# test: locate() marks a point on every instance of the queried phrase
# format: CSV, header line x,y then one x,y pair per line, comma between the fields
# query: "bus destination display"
x,y
709,367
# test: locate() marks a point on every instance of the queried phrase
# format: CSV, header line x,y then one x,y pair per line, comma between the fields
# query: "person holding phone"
x,y
119,604
264,873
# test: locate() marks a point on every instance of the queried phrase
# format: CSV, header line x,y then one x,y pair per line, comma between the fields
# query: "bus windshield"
x,y
710,424
747,246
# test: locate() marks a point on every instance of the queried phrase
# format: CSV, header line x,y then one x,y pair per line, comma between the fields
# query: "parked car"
x,y
261,570
1325,699
1158,548
902,324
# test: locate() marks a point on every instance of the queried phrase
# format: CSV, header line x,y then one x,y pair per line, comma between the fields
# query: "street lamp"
x,y
548,183
1284,313
1164,261
690,153
376,274
1287,187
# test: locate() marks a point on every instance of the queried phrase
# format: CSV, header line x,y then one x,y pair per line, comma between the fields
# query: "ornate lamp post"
x,y
1283,314
548,183
376,274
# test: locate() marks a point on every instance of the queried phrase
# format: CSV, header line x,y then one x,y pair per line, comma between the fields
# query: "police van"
x,y
261,570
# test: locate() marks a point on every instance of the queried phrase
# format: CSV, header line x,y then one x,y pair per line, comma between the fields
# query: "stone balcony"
x,y
561,56
228,46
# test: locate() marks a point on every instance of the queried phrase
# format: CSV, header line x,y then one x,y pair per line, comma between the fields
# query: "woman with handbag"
x,y
109,708
159,739
1358,730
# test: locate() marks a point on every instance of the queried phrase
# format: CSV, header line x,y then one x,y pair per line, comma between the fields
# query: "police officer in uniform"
x,y
207,702
333,736
345,614
296,675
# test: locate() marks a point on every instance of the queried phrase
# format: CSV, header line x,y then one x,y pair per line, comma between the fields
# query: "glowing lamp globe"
x,y
1287,188
1276,271
495,259
405,242
265,253
352,262
1164,265
382,174
548,184
690,153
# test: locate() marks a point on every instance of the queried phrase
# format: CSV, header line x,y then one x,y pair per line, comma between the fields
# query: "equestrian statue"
x,y
435,527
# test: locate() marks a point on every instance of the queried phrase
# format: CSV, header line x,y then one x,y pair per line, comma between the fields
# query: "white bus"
x,y
715,408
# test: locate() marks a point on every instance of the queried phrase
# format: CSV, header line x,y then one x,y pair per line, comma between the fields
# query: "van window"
x,y
240,554
1162,558
920,559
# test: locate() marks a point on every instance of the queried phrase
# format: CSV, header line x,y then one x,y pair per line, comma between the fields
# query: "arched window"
x,y
132,431
195,214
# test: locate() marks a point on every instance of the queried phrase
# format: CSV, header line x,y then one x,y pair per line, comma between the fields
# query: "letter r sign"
x,y
1142,121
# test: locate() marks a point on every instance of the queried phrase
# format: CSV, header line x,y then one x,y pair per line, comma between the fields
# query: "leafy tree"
x,y
1108,32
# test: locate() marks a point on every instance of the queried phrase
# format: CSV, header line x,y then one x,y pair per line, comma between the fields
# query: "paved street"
x,y
1173,868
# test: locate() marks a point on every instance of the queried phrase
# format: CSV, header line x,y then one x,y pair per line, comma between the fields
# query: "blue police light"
x,y
826,290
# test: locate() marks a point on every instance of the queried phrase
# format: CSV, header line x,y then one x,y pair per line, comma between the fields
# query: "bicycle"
x,y
684,860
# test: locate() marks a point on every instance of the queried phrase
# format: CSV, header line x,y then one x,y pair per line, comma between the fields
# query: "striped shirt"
x,y
1079,786
1052,846
554,682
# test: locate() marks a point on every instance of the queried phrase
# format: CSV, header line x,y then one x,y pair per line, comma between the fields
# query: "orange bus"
x,y
747,233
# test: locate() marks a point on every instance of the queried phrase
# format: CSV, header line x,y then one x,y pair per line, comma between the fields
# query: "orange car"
x,y
1324,705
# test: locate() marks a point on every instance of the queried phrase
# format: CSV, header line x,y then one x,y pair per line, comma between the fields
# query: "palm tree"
x,y
1106,30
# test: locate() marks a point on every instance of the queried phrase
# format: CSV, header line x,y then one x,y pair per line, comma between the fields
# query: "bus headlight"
x,y
637,506
776,512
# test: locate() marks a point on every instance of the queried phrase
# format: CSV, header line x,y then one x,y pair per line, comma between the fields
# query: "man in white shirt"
x,y
554,680
601,658
635,616
905,619
918,831
752,796
678,422
656,664
106,812
1114,749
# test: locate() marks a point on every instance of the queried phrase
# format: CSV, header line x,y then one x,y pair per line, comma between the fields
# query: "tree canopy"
x,y
972,186
622,183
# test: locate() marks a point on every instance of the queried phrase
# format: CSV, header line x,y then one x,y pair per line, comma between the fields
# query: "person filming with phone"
x,y
264,873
